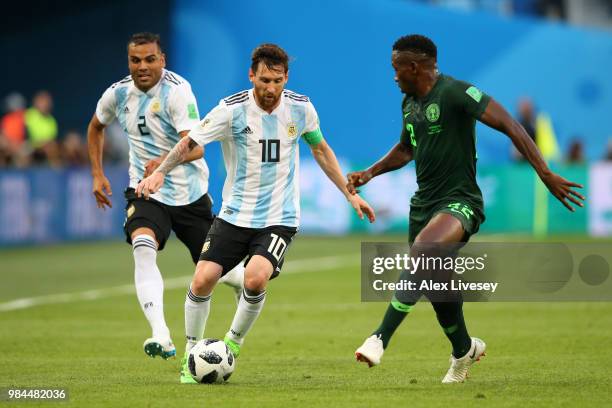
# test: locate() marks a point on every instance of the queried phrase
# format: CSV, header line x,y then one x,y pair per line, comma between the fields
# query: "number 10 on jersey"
x,y
270,150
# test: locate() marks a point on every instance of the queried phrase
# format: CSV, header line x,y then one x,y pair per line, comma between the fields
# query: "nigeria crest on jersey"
x,y
432,112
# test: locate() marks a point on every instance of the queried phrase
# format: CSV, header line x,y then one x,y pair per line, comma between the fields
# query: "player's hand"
x,y
562,189
361,206
152,164
150,185
357,179
102,191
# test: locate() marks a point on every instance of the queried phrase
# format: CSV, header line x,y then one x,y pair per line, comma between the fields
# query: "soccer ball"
x,y
210,361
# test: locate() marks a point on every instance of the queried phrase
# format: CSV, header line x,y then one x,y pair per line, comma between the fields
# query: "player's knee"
x,y
202,285
255,281
205,278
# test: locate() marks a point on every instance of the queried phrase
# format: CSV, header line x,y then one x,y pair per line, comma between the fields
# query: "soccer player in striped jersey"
x,y
259,130
156,108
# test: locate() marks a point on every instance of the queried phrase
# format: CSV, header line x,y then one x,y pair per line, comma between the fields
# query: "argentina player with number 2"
x,y
155,107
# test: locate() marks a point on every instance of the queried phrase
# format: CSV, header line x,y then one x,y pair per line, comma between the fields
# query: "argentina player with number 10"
x,y
259,130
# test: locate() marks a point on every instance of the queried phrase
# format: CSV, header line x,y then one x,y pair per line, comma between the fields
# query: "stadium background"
x,y
68,314
340,58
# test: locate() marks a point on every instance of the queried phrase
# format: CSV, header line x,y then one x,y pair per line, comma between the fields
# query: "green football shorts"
x,y
470,217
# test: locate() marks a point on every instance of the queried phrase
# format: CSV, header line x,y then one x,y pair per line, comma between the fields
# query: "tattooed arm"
x,y
195,154
176,156
215,126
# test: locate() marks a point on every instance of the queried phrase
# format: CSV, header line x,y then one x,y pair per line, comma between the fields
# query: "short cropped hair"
x,y
416,43
271,55
145,38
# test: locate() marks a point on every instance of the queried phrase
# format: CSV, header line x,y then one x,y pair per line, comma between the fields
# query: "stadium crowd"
x,y
29,136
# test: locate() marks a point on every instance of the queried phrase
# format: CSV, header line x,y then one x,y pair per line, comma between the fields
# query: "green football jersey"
x,y
441,128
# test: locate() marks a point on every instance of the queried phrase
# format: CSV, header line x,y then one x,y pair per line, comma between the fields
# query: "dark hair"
x,y
270,55
416,43
145,38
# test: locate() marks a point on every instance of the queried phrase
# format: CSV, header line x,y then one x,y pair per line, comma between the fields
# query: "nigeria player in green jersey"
x,y
438,133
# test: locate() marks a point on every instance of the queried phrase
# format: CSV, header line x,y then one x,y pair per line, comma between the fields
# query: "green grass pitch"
x,y
300,351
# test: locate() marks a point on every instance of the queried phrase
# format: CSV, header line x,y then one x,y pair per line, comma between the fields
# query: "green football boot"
x,y
232,345
186,377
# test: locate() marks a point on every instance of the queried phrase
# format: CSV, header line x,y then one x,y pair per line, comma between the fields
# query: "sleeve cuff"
x,y
102,120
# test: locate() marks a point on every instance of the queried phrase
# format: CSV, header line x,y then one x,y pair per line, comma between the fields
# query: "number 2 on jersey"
x,y
142,126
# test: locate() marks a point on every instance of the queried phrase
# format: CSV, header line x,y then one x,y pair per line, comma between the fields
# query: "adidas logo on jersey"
x,y
126,110
247,130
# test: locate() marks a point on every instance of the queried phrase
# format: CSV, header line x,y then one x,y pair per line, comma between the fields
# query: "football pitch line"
x,y
290,267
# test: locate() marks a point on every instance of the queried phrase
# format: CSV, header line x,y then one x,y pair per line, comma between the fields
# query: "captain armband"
x,y
313,138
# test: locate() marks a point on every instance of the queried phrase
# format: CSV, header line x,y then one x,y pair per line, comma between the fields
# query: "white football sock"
x,y
150,285
197,309
235,277
249,308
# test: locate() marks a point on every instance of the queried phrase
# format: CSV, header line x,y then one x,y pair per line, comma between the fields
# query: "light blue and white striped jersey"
x,y
153,121
261,154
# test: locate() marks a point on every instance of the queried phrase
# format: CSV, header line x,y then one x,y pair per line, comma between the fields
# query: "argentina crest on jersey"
x,y
292,130
155,105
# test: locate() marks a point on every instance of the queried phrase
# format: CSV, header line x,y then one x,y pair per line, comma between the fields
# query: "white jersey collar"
x,y
153,91
279,108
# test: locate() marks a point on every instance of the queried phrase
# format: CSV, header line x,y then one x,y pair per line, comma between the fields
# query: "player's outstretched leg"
x,y
257,274
235,280
197,309
372,349
150,291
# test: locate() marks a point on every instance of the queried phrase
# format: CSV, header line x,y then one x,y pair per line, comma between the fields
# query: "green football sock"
x,y
395,314
450,317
